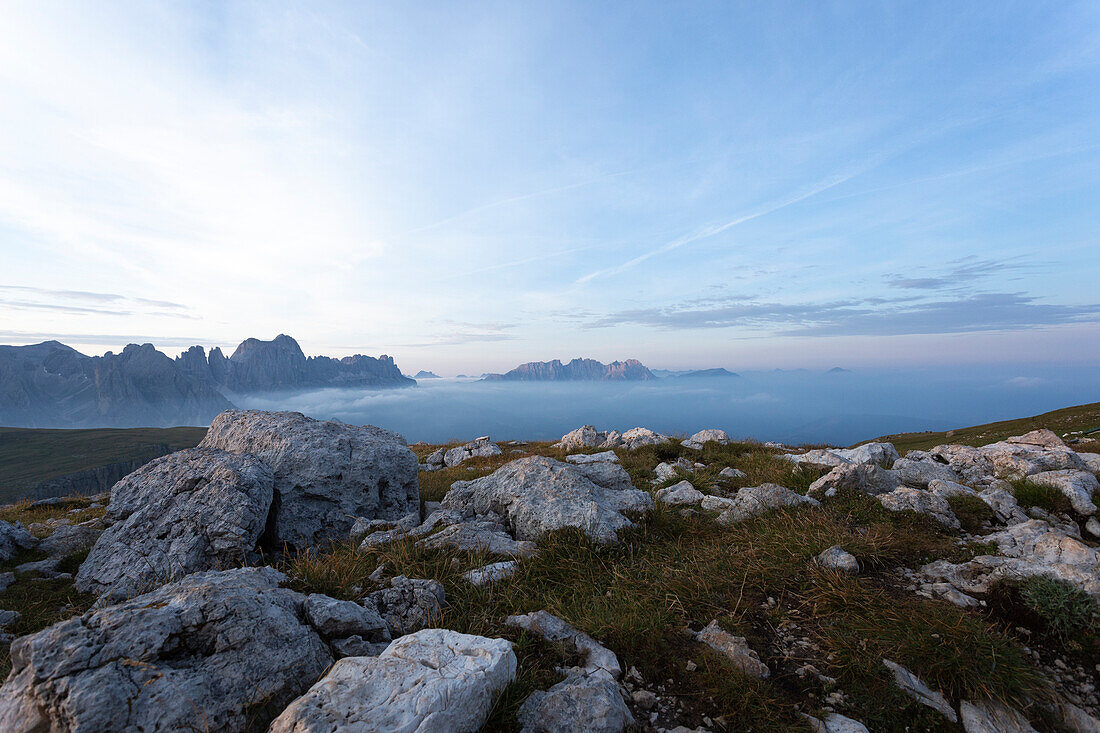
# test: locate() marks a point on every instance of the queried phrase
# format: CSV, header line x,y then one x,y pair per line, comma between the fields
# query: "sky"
x,y
468,186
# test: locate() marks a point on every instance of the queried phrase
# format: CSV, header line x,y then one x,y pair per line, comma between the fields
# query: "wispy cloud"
x,y
85,302
863,317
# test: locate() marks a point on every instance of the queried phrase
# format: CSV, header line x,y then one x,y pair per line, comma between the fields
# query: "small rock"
x,y
409,604
837,558
919,691
734,648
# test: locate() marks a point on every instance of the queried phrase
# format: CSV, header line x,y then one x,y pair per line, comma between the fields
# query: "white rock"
x,y
734,648
1091,461
756,500
729,472
536,495
665,472
597,658
1093,527
837,558
434,680
607,456
867,478
919,691
922,502
638,437
479,448
1077,486
835,723
918,468
409,604
701,438
990,716
13,538
491,573
680,494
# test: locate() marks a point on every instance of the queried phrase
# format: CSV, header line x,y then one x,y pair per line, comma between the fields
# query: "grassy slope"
x,y
1079,417
30,456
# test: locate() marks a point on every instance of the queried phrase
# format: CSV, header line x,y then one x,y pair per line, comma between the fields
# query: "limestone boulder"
x,y
409,604
189,511
922,502
756,500
1077,486
326,473
434,680
13,538
536,495
215,650
701,438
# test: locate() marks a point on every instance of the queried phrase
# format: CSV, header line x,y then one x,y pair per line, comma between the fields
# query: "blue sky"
x,y
471,185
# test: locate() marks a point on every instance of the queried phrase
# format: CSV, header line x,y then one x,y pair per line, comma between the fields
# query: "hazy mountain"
x,y
279,365
53,385
715,372
422,374
577,370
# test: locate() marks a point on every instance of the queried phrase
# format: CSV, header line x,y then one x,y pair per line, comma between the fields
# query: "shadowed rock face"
x,y
326,473
575,371
189,511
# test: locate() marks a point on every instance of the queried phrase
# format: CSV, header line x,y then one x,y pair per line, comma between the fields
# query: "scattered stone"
x,y
6,579
990,716
1077,486
1004,506
491,573
13,538
607,456
578,703
7,618
756,500
880,454
409,604
639,437
588,437
835,723
922,502
734,648
837,558
189,511
536,495
478,535
433,680
357,646
912,686
326,473
701,438
734,473
72,538
665,472
339,619
681,493
598,658
214,646
479,448
1093,527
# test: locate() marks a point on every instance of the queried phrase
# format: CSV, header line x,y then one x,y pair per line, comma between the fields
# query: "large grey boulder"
x,y
636,438
479,535
1035,452
597,657
191,510
13,538
880,454
681,493
867,478
213,651
990,716
919,468
435,680
336,619
922,502
587,436
757,500
326,473
1077,486
536,495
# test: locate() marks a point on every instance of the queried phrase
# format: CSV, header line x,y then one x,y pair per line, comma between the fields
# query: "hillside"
x,y
1065,420
29,456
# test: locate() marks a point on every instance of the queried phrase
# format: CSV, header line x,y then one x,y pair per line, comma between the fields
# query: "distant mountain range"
x,y
53,385
715,372
422,374
577,370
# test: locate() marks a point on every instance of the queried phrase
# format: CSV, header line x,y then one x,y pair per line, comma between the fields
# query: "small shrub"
x,y
1067,611
1044,497
970,510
